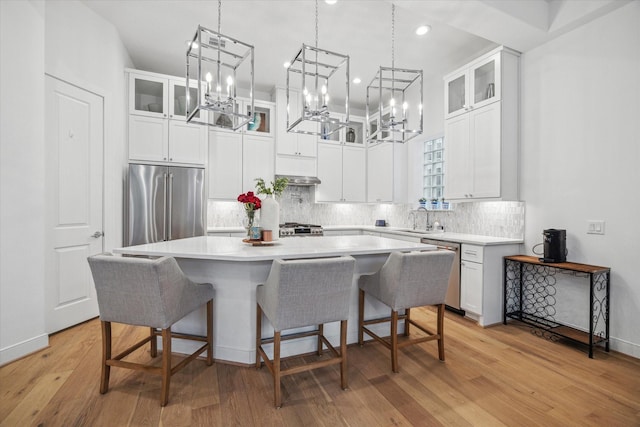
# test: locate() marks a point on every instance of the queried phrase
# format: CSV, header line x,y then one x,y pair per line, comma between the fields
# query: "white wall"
x,y
90,54
581,153
38,37
22,187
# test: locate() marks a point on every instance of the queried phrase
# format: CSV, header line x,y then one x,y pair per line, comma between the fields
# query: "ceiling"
x,y
155,32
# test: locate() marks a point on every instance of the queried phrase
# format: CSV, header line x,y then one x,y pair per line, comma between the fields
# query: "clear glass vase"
x,y
251,214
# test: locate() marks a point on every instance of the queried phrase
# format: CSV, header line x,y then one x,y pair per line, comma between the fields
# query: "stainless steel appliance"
x,y
164,203
452,300
289,229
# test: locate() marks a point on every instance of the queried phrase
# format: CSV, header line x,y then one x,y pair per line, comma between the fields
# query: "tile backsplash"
x,y
498,219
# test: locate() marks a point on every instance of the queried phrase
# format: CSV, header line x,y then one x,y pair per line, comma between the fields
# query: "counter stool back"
x,y
153,293
406,280
302,293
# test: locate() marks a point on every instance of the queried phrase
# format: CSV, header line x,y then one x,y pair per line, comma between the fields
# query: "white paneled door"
x,y
74,158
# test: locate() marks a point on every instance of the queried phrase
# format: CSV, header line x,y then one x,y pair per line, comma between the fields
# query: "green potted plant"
x,y
423,202
276,189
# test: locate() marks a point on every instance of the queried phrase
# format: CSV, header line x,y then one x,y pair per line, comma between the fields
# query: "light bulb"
x,y
209,78
229,80
392,103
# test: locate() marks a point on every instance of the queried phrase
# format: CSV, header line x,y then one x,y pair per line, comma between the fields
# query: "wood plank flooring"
x,y
498,376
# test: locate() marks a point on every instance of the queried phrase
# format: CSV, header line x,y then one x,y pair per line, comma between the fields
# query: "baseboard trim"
x,y
23,349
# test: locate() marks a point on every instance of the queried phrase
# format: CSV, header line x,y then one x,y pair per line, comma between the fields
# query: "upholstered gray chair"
x,y
304,293
407,280
153,293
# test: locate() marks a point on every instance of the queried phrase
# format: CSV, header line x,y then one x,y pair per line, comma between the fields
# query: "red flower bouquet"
x,y
251,205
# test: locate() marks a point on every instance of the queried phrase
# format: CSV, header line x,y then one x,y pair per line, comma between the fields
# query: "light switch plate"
x,y
595,227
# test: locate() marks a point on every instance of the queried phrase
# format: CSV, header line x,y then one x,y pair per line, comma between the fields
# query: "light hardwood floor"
x,y
496,376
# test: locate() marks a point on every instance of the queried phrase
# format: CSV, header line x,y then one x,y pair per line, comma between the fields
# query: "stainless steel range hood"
x,y
300,180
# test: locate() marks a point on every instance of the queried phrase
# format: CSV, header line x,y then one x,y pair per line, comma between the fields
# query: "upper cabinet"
x,y
295,152
473,86
158,131
482,129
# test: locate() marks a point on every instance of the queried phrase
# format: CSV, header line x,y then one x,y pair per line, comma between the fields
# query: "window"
x,y
433,186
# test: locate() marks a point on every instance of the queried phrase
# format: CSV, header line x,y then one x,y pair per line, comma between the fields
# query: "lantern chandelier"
x,y
394,100
216,63
315,77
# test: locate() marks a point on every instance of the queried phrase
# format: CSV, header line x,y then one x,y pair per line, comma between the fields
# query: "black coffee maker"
x,y
555,245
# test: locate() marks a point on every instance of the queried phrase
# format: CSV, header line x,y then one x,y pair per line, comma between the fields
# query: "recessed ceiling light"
x,y
422,30
330,1
357,80
287,64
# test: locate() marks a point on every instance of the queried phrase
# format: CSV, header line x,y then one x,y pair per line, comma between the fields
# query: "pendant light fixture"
x,y
314,78
217,64
394,100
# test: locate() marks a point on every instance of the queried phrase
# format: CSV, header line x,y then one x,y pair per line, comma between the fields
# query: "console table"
x,y
529,296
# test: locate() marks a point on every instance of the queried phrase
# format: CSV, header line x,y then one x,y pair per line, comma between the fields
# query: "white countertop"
x,y
233,249
474,239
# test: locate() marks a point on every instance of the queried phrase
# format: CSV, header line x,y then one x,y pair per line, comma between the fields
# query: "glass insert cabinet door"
x,y
148,96
473,87
180,100
456,94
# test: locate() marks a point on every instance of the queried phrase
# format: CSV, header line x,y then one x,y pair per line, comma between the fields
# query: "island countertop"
x,y
234,249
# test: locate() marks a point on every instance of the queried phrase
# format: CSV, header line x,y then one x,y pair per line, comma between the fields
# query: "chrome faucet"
x,y
411,215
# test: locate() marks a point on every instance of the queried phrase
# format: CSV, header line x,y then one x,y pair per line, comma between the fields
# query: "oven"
x,y
452,300
295,229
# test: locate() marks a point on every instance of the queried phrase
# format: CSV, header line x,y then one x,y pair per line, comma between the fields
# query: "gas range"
x,y
290,229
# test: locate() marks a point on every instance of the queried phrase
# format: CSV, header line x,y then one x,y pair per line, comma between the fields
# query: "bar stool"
x,y
153,293
407,280
302,293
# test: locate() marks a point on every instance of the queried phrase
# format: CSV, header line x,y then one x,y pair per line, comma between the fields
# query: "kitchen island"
x,y
236,268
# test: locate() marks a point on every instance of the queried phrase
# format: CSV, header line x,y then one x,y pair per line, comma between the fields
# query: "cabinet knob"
x,y
164,158
171,159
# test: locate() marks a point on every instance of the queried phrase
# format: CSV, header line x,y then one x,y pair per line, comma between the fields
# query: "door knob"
x,y
97,234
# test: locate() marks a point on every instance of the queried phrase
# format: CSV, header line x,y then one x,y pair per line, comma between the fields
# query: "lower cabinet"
x,y
471,286
481,283
235,161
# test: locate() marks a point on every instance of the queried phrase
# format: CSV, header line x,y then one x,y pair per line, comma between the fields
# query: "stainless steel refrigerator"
x,y
164,203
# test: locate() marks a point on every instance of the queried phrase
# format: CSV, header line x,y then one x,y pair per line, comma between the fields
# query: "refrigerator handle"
x,y
164,227
169,219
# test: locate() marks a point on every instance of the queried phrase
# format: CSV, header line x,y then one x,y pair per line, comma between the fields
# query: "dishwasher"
x,y
452,300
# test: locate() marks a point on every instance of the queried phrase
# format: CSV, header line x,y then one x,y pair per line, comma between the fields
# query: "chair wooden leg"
x,y
394,340
106,355
407,313
258,334
361,317
440,329
209,332
166,366
153,342
320,333
277,400
344,382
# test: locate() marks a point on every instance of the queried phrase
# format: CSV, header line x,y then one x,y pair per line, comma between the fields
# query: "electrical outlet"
x,y
595,227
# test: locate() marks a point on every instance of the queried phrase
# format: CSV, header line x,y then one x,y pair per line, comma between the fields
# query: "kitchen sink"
x,y
425,231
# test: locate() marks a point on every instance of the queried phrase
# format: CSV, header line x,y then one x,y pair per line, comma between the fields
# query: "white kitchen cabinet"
x,y
148,139
257,161
380,172
296,153
148,95
475,85
164,140
471,286
481,281
157,128
342,172
482,139
354,174
236,159
225,165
